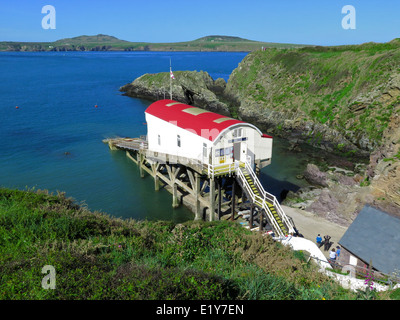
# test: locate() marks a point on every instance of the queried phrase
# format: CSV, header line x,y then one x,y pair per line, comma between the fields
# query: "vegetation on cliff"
x,y
99,257
343,99
344,94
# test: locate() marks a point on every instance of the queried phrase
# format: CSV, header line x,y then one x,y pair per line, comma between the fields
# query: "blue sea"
x,y
51,132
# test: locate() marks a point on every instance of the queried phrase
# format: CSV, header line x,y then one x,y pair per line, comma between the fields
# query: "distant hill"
x,y
100,38
102,42
222,39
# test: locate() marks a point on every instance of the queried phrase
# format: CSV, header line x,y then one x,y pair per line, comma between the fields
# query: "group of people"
x,y
333,254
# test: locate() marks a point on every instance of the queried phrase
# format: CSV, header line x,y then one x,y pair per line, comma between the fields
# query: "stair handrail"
x,y
256,198
212,169
270,197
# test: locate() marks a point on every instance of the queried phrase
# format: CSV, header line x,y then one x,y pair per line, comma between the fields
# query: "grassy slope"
x,y
209,43
98,257
342,87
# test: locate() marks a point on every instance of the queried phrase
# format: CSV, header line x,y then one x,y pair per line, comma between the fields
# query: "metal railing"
x,y
214,170
267,197
260,202
361,273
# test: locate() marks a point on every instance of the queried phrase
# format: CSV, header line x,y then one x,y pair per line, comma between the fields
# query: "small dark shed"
x,y
373,236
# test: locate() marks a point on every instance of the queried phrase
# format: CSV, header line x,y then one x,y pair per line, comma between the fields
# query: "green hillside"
x,y
99,257
345,95
103,42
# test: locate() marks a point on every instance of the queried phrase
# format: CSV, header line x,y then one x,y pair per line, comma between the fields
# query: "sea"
x,y
57,107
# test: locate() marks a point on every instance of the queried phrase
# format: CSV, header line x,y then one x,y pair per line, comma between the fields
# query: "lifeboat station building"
x,y
203,136
211,159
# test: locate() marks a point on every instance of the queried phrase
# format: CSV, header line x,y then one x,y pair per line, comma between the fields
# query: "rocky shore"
x,y
363,171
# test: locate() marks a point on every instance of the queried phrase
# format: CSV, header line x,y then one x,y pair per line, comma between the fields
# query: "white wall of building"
x,y
162,137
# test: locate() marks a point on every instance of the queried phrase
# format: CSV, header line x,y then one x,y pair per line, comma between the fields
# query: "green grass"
x,y
324,85
99,257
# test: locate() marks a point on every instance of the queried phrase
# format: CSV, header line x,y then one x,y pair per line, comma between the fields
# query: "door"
x,y
243,151
236,151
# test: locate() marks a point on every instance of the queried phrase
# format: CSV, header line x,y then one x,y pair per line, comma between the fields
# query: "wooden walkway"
x,y
133,144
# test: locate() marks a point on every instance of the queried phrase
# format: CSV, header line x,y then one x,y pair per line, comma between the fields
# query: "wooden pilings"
x,y
187,185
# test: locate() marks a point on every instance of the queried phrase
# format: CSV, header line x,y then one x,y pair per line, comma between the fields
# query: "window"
x,y
159,140
204,150
237,133
178,140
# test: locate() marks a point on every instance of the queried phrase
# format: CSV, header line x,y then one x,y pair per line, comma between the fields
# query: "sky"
x,y
315,22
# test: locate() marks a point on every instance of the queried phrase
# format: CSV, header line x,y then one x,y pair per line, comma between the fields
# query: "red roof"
x,y
204,123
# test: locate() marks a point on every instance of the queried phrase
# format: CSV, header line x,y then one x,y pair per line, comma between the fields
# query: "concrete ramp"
x,y
298,244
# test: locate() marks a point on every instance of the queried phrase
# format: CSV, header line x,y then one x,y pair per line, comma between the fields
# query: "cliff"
x,y
344,100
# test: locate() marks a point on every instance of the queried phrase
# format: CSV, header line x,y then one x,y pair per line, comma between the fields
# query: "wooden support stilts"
x,y
233,199
251,215
175,200
212,199
141,164
197,191
156,183
129,155
154,168
219,197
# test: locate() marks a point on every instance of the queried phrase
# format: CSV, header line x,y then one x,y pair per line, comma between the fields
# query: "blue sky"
x,y
316,22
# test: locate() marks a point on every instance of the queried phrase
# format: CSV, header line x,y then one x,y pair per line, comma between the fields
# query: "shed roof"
x,y
374,235
204,123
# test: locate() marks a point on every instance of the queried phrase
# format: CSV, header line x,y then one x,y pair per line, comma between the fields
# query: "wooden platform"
x,y
133,144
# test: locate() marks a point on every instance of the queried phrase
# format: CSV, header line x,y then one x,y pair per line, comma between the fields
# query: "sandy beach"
x,y
309,225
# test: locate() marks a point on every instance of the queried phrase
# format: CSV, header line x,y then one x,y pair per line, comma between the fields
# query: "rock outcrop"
x,y
190,87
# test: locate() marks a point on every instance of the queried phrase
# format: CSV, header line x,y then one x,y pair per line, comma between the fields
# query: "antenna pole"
x,y
170,79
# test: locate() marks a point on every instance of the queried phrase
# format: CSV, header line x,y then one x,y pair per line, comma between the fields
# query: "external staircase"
x,y
265,201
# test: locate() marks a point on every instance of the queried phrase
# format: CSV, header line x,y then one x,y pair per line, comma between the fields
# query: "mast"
x,y
170,79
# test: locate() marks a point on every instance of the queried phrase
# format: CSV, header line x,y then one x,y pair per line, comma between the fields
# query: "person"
x,y
319,240
332,255
337,252
327,243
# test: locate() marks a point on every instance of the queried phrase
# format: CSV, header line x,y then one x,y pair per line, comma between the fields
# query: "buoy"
x,y
16,107
95,106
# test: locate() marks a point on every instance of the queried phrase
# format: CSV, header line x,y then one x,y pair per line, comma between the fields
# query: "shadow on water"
x,y
279,188
135,197
285,171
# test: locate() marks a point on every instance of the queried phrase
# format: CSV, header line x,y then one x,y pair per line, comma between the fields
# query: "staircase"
x,y
250,183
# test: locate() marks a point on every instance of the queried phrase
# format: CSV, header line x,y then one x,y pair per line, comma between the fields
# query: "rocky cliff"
x,y
337,98
345,100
